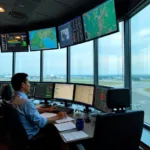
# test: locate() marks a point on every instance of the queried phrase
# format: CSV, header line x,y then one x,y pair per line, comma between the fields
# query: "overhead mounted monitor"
x,y
14,42
43,39
64,91
100,21
100,99
71,32
84,94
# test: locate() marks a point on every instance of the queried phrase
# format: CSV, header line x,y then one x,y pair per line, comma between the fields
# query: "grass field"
x,y
147,90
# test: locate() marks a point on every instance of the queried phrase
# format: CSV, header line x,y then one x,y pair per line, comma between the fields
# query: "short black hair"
x,y
17,80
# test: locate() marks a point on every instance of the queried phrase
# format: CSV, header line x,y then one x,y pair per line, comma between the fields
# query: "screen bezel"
x,y
62,99
2,51
42,98
82,30
81,103
117,23
104,87
43,48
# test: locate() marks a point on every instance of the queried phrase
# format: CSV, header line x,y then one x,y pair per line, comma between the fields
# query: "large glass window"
x,y
5,66
111,59
82,63
28,62
55,65
140,55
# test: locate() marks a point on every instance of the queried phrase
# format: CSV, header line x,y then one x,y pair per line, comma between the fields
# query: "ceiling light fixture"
x,y
2,9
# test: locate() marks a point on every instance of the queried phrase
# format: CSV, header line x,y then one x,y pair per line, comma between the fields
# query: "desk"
x,y
88,129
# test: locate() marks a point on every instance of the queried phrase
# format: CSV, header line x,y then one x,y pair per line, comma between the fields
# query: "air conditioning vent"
x,y
17,15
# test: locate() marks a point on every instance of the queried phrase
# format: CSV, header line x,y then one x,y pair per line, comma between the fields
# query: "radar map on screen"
x,y
43,39
100,21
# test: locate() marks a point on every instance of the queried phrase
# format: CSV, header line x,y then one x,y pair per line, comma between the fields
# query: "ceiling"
x,y
34,14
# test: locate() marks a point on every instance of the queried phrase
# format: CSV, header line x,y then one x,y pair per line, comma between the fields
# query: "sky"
x,y
111,54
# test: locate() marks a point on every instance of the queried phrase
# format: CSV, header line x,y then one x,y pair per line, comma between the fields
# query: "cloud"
x,y
144,32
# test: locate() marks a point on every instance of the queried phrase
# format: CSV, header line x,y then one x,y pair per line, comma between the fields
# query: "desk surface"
x,y
88,127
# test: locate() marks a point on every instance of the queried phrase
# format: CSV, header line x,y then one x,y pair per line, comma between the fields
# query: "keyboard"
x,y
63,109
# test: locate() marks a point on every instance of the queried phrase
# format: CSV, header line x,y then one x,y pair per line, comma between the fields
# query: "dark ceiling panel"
x,y
69,2
52,8
45,13
38,17
6,2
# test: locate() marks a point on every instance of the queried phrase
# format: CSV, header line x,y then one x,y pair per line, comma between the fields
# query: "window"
x,y
5,66
28,62
82,63
55,65
140,63
111,59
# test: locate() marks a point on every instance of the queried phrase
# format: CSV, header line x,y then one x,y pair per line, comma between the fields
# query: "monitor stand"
x,y
45,102
87,110
67,104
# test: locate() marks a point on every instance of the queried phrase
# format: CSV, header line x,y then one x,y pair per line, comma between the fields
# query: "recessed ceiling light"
x,y
2,9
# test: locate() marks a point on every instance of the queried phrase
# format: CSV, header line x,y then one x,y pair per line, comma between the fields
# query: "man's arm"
x,y
49,109
59,116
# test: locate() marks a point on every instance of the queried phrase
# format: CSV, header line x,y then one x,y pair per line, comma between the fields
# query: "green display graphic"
x,y
48,93
100,21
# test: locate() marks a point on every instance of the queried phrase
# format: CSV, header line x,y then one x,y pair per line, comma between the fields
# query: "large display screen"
x,y
84,94
14,42
44,90
100,21
71,32
64,91
43,39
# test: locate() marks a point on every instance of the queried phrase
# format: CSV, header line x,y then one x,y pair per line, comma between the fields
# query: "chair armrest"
x,y
140,148
79,147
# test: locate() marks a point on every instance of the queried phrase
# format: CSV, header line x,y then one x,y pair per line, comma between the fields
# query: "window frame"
x,y
127,18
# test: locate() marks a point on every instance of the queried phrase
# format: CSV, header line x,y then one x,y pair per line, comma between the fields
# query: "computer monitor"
x,y
32,90
44,91
100,21
71,32
43,39
64,91
14,42
100,99
84,94
118,98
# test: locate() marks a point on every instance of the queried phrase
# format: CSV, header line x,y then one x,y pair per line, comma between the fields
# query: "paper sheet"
x,y
71,136
47,115
65,126
64,120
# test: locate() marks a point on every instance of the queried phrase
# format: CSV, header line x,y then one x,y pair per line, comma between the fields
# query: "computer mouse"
x,y
87,119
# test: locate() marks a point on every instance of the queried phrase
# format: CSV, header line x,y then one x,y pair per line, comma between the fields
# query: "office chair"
x,y
16,134
6,93
118,130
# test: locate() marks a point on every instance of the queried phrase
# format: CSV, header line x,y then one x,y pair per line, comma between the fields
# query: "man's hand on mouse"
x,y
50,109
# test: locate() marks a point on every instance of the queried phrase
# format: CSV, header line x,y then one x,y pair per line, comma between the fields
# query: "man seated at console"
x,y
29,115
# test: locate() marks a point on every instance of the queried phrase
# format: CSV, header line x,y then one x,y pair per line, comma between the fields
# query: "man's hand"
x,y
50,109
61,115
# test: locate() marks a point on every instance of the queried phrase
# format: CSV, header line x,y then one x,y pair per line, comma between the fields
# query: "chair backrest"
x,y
118,131
17,133
6,93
